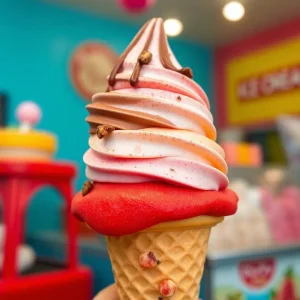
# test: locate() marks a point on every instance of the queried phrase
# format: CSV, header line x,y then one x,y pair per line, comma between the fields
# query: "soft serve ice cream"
x,y
158,168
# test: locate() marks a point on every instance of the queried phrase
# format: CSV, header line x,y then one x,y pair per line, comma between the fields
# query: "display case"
x,y
269,274
255,254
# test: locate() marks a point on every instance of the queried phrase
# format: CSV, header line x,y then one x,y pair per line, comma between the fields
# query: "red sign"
x,y
270,83
257,274
90,65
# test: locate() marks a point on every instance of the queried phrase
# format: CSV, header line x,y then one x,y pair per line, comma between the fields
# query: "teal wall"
x,y
37,40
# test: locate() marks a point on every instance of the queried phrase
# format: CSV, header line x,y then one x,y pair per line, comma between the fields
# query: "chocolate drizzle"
x,y
137,69
118,66
164,56
105,110
143,59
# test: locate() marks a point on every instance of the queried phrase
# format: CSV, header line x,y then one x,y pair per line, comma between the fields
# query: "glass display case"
x,y
255,254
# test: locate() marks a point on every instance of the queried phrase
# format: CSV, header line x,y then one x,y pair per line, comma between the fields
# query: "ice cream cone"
x,y
157,178
181,251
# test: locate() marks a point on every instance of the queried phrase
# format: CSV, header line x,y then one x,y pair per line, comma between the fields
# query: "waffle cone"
x,y
180,246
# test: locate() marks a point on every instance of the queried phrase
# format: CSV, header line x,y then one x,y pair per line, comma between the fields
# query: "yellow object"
x,y
179,246
257,64
244,155
26,145
37,140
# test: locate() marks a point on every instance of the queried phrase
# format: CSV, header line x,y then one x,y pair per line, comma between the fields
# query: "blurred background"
x,y
56,54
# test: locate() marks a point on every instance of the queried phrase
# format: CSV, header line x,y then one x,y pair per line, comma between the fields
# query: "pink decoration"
x,y
167,288
148,260
28,113
136,6
282,211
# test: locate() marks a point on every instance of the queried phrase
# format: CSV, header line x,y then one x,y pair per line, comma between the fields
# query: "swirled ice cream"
x,y
157,178
161,163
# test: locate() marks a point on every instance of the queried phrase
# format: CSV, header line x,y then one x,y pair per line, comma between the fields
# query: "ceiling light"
x,y
173,27
233,11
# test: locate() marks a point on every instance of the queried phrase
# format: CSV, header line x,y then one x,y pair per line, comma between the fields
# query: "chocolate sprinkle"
x,y
103,130
145,57
152,256
87,187
187,72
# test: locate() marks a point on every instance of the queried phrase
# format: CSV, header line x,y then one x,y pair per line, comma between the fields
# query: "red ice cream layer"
x,y
116,209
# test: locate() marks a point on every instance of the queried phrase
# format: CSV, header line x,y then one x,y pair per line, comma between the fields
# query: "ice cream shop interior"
x,y
150,150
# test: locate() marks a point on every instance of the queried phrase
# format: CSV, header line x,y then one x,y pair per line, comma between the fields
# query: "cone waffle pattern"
x,y
182,255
